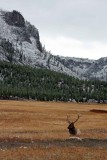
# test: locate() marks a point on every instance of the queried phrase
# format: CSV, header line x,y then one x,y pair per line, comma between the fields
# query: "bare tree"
x,y
71,126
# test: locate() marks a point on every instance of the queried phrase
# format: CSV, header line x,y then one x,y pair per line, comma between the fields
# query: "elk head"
x,y
73,121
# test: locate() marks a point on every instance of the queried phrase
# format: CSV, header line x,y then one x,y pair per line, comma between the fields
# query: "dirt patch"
x,y
98,111
17,143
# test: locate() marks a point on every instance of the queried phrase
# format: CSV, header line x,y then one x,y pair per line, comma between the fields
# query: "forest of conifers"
x,y
24,82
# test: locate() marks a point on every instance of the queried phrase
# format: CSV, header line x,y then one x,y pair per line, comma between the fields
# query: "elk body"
x,y
71,127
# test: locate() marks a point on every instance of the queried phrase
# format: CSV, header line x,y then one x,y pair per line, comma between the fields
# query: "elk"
x,y
71,127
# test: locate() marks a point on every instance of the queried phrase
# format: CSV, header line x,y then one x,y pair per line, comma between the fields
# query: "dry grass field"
x,y
31,130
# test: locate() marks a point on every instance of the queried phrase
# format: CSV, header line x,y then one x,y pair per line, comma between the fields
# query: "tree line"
x,y
25,82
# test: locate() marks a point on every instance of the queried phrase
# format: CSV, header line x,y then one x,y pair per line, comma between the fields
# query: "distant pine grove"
x,y
24,82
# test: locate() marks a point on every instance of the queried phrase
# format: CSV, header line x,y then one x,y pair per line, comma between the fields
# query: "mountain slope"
x,y
20,44
26,82
25,42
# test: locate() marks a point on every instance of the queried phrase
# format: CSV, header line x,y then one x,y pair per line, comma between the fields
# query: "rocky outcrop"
x,y
24,30
32,31
14,18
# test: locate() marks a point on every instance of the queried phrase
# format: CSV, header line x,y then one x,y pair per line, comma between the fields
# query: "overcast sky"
x,y
73,28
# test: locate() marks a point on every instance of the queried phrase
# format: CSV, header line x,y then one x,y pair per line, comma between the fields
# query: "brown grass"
x,y
28,121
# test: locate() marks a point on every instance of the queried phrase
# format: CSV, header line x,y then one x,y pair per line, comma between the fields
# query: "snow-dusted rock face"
x,y
98,69
20,43
86,68
77,65
14,18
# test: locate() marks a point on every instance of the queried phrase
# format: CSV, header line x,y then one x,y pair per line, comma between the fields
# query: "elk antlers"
x,y
68,120
77,118
73,121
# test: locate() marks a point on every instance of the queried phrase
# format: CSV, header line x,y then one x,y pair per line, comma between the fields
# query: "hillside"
x,y
20,44
24,82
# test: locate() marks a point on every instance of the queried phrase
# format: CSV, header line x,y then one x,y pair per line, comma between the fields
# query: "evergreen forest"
x,y
24,82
